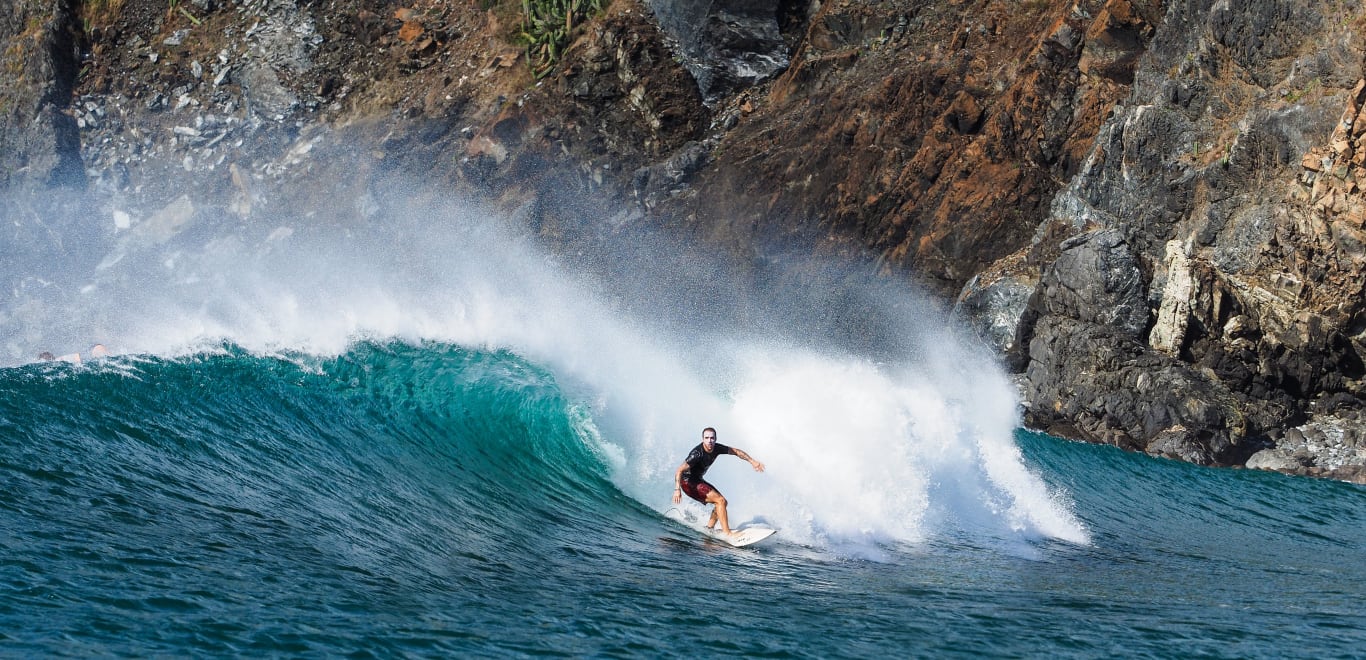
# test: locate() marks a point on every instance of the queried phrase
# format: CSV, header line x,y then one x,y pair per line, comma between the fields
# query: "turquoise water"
x,y
435,499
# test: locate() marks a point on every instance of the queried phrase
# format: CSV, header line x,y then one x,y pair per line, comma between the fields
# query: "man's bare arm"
x,y
758,467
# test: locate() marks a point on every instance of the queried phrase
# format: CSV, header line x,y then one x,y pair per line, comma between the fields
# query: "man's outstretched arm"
x,y
758,467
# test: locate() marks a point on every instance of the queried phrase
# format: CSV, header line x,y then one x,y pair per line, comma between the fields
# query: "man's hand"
x,y
678,496
758,467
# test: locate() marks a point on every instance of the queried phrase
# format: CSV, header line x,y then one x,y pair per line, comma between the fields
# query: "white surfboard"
x,y
743,536
739,536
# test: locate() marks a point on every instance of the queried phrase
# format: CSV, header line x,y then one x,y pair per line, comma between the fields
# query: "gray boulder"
x,y
1097,280
727,45
994,304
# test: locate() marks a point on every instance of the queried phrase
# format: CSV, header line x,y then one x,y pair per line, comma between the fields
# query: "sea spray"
x,y
860,454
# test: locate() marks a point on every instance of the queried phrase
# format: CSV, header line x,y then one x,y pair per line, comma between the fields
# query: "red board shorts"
x,y
697,490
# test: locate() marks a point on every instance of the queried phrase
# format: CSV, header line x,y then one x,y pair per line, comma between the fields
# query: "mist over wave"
x,y
876,423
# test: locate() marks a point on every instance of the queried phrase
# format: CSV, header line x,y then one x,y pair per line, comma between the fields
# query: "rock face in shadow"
x,y
39,142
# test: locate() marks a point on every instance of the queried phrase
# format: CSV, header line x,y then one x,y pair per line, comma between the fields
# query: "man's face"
x,y
708,440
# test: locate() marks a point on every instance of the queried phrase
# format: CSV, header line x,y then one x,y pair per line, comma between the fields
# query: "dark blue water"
x,y
434,500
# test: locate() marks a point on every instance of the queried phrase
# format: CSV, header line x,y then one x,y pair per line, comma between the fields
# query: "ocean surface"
x,y
434,499
454,446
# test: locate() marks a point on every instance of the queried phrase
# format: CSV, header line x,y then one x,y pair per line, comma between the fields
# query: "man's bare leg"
x,y
718,514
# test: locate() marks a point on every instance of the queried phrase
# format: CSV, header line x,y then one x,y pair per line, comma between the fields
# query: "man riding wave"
x,y
688,478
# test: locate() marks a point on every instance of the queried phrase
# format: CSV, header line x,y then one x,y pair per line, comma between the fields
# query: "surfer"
x,y
688,477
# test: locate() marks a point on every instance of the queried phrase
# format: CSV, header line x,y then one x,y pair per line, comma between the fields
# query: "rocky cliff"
x,y
1205,302
1153,210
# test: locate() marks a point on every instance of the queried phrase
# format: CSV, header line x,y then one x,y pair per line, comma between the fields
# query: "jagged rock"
x,y
728,45
1244,235
1097,280
1132,396
1325,446
39,137
1088,360
893,129
1173,315
994,305
1115,41
264,94
1278,460
165,223
1180,443
656,182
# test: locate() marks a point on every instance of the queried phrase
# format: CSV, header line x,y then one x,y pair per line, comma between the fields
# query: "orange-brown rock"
x,y
919,123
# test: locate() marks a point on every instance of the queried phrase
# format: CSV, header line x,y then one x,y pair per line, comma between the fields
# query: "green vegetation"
x,y
190,16
98,6
94,13
14,58
546,28
1295,96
